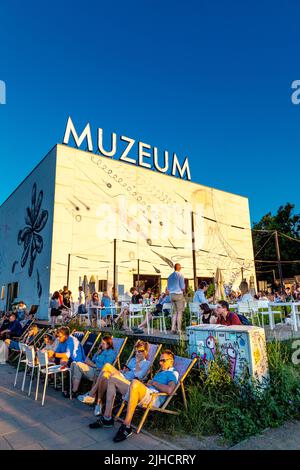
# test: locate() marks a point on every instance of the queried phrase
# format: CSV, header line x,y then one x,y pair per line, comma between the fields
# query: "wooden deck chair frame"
x,y
163,408
85,335
93,345
116,362
30,323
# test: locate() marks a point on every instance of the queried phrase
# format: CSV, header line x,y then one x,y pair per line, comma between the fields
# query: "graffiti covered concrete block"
x,y
243,346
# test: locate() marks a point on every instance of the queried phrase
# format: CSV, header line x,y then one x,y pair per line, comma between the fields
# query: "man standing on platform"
x,y
176,288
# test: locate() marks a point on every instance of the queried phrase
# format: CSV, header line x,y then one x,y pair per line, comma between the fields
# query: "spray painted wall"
x,y
26,221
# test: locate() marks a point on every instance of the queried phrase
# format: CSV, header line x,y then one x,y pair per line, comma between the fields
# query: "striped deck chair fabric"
x,y
183,366
119,344
90,343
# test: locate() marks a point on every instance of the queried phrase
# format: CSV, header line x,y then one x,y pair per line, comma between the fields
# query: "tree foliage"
x,y
286,222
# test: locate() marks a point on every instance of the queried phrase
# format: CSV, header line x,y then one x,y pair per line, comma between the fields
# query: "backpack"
x,y
244,320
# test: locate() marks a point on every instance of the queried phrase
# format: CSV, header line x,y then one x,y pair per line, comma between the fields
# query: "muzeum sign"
x,y
147,156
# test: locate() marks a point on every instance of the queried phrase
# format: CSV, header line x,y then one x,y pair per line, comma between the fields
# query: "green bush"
x,y
217,405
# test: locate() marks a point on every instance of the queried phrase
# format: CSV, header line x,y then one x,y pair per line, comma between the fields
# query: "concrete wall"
x,y
98,199
26,221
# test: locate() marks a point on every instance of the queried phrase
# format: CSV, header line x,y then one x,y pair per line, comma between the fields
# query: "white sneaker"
x,y
97,411
86,399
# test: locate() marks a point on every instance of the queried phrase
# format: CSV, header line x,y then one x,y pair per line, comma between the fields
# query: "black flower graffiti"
x,y
38,284
36,220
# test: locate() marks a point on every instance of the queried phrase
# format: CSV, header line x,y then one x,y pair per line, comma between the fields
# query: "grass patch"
x,y
217,405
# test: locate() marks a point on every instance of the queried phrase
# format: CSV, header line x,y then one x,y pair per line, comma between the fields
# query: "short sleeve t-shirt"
x,y
164,377
132,374
72,348
106,356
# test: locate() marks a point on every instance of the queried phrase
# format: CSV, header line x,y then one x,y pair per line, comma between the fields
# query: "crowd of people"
x,y
106,380
66,350
102,310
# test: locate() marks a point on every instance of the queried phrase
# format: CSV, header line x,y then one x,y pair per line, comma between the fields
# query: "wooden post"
x,y
68,271
115,289
194,253
279,260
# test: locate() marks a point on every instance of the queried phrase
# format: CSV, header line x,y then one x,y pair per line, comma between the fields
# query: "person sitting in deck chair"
x,y
163,299
140,394
68,350
11,328
32,332
49,345
92,368
137,367
8,344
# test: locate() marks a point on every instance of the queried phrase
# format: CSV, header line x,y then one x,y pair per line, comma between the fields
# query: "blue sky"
x,y
210,80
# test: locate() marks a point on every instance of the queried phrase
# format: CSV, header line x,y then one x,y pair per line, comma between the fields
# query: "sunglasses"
x,y
164,360
140,350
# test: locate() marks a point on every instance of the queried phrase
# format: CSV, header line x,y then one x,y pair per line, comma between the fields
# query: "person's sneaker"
x,y
86,399
102,423
123,433
97,411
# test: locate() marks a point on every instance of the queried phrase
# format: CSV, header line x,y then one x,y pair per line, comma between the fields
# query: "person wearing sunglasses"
x,y
140,394
112,381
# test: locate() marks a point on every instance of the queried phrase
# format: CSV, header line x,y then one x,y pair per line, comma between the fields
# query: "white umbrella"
x,y
219,285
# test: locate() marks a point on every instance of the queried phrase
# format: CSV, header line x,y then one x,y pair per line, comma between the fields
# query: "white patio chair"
x,y
195,314
295,315
249,309
46,369
136,312
263,310
277,311
161,318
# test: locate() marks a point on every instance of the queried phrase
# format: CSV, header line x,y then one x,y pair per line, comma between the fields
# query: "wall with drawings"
x,y
244,347
26,224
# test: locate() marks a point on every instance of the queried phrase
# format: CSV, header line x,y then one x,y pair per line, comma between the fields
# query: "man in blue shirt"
x,y
12,328
199,296
176,288
69,349
140,394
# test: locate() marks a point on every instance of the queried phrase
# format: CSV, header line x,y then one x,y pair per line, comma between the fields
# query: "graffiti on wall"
x,y
35,219
245,353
